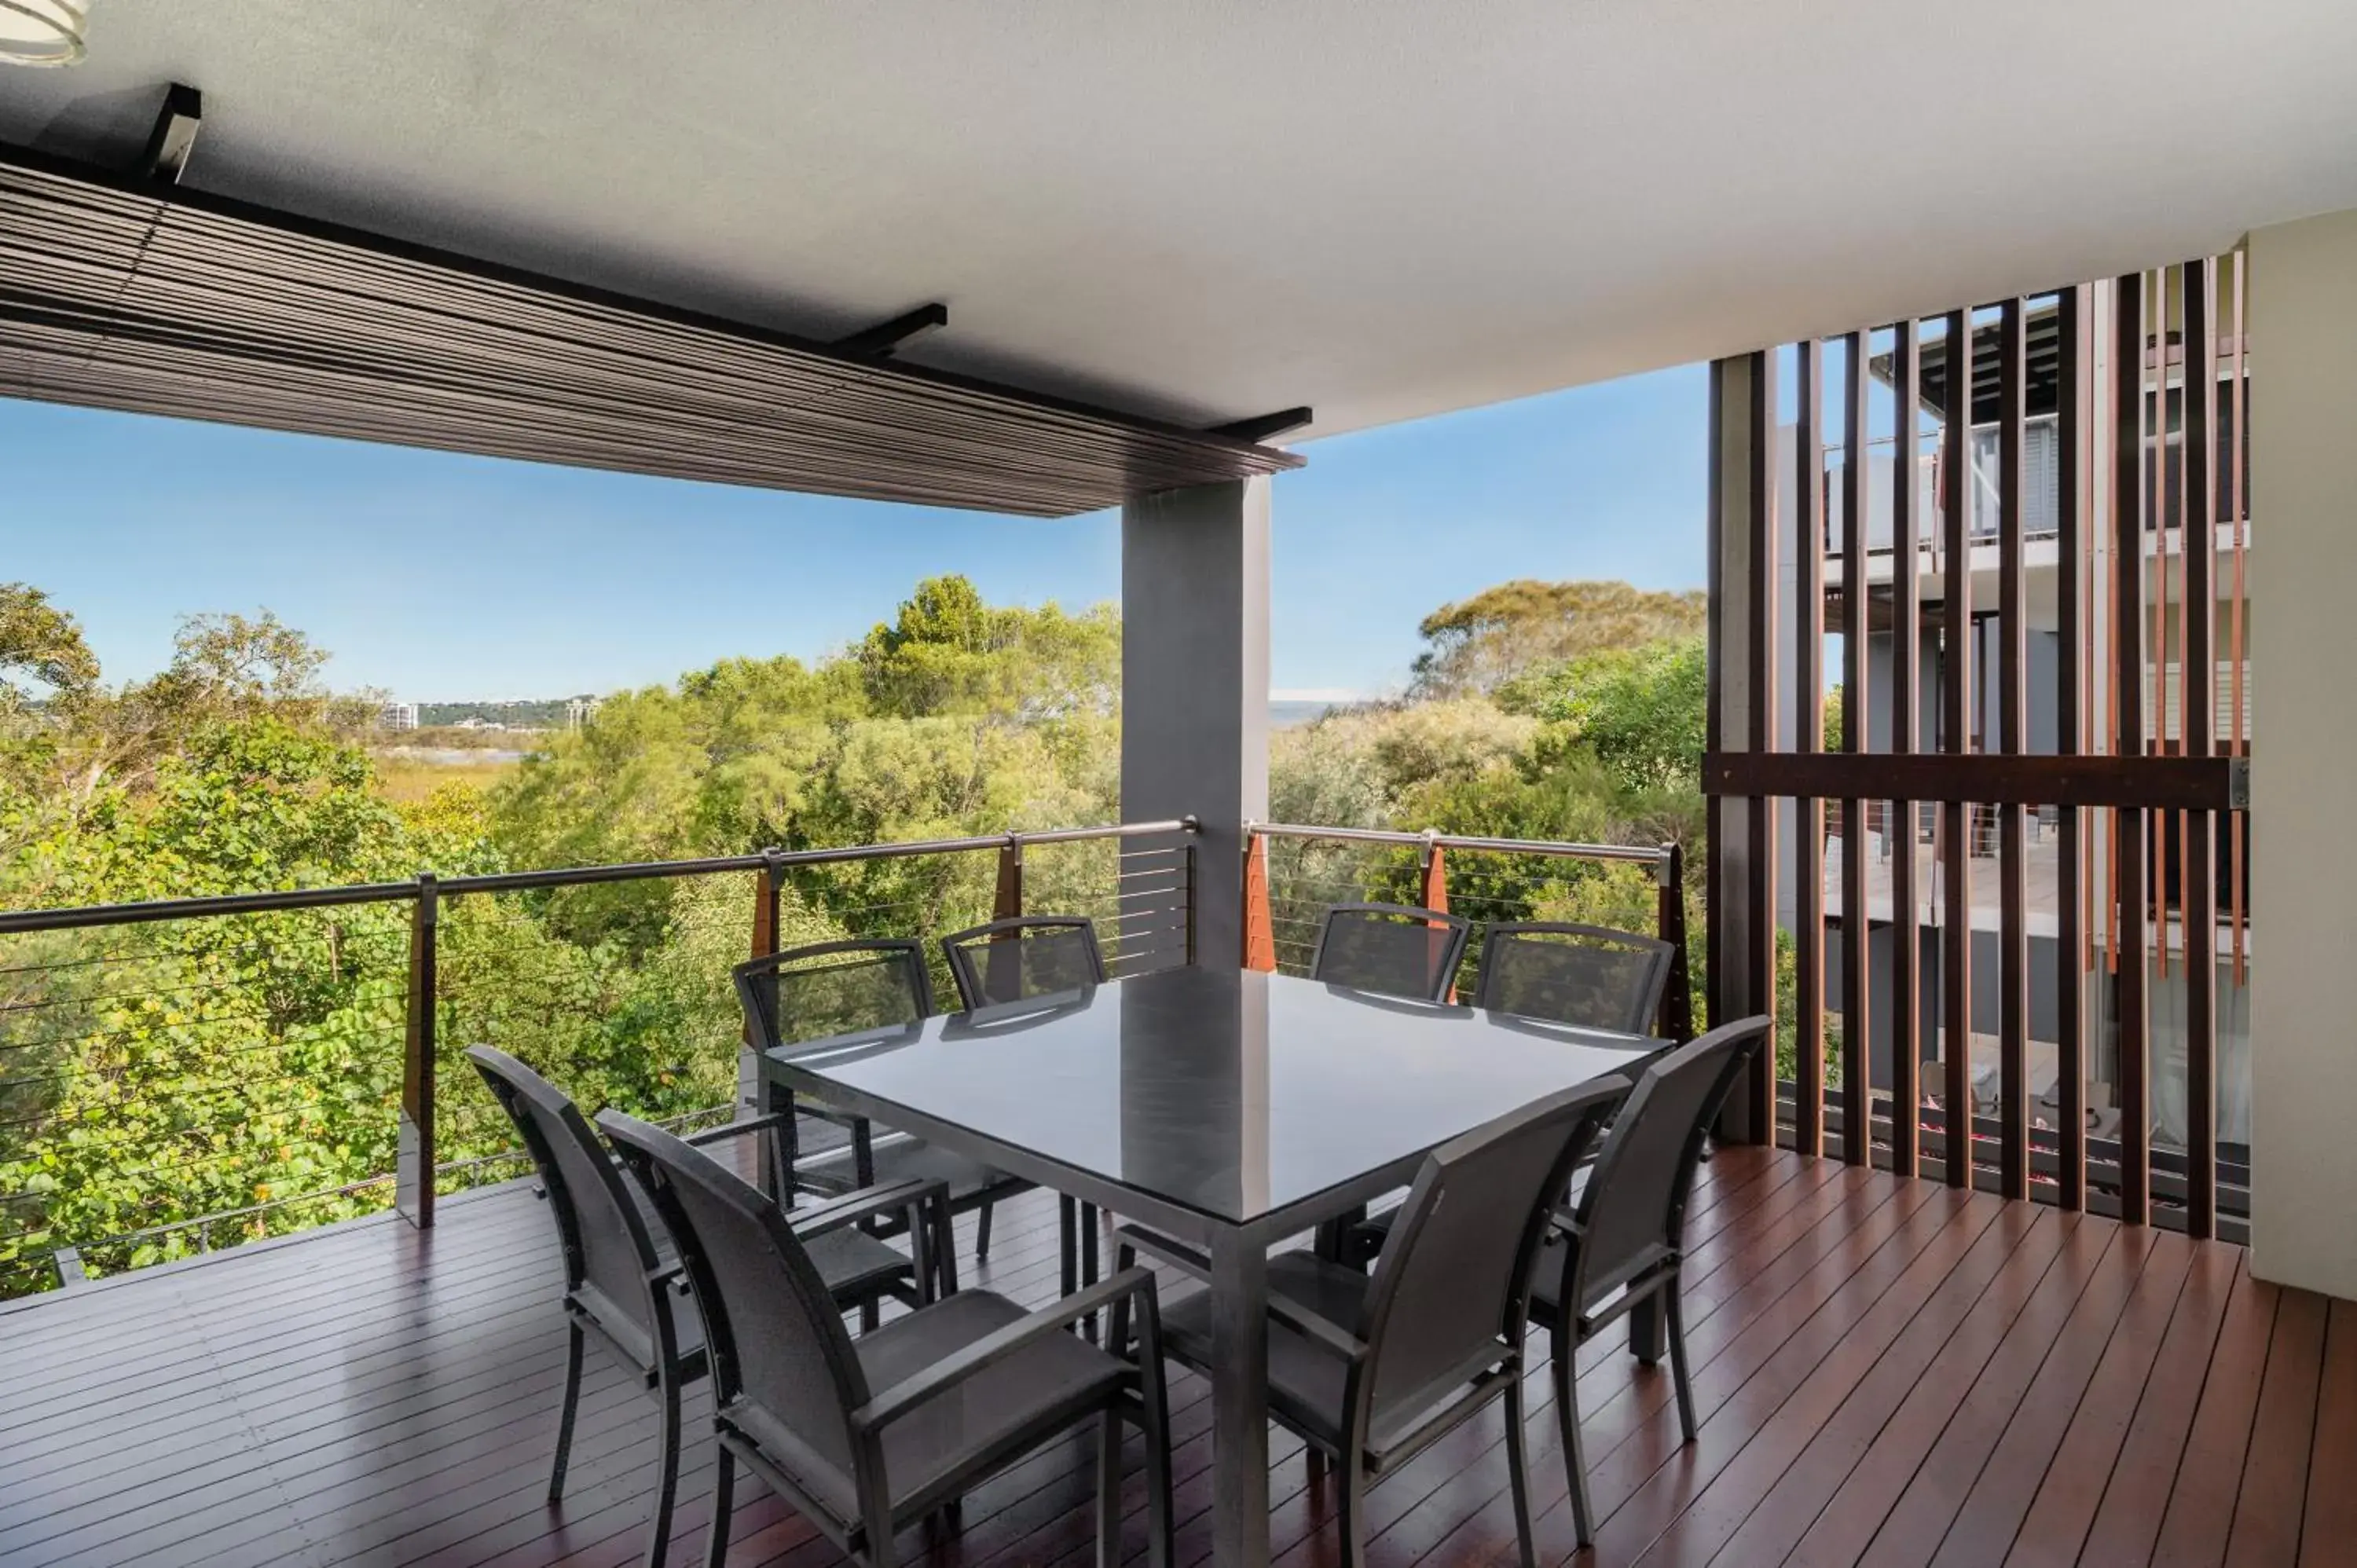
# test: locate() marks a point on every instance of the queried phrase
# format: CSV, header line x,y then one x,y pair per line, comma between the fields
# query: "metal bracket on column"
x,y
175,135
1266,426
887,339
2238,784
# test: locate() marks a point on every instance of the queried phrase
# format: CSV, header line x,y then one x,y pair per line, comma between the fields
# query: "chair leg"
x,y
1314,1462
1353,1511
981,1237
572,1404
1674,1311
1117,1330
1089,1261
1645,1332
870,1316
1563,1365
1109,1490
1067,1226
667,1481
1518,1467
724,1488
1153,1410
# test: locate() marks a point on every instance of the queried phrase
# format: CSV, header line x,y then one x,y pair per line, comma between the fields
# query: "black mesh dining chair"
x,y
1024,957
828,989
1021,959
621,1273
1370,1371
867,1437
1589,976
1620,1248
1390,949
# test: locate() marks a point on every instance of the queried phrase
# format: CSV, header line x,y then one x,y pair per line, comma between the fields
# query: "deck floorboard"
x,y
1887,1372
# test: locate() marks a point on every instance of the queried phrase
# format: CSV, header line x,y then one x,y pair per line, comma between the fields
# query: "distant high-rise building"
x,y
579,711
398,715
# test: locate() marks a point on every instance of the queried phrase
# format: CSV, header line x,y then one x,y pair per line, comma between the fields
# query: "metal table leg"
x,y
1240,1398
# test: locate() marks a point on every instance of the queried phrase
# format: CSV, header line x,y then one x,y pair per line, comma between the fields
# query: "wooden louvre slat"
x,y
2197,900
1809,695
1905,731
1958,693
2013,871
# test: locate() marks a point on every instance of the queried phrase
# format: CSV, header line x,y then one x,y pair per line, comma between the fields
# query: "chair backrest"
x,y
1633,1209
1589,976
783,1368
608,1254
833,988
1017,959
1450,1288
1389,947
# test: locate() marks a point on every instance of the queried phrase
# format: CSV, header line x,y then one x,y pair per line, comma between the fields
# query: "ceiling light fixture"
x,y
41,32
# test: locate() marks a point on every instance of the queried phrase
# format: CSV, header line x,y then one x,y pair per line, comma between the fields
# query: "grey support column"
x,y
1194,678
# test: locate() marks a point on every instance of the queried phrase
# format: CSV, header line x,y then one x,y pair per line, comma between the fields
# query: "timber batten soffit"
x,y
133,294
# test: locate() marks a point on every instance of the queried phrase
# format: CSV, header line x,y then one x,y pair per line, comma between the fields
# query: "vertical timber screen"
x,y
2002,912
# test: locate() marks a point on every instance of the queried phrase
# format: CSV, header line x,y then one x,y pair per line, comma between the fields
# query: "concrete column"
x,y
2303,562
1194,685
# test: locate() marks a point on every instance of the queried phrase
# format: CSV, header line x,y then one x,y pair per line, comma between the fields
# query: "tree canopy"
x,y
249,1067
1476,645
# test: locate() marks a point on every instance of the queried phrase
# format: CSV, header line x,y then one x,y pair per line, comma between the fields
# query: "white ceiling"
x,y
1203,209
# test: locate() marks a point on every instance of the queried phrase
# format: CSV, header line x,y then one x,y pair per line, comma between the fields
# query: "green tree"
x,y
949,653
1479,644
43,644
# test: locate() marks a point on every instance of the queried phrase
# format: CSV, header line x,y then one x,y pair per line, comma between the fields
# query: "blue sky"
x,y
442,578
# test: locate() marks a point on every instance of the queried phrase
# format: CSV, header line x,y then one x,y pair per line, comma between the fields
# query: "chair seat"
x,y
1305,1378
932,1445
904,1159
856,1265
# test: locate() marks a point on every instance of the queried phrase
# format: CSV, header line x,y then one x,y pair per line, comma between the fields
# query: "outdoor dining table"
x,y
1225,1107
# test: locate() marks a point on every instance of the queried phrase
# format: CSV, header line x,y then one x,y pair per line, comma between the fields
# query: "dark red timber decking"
x,y
1890,1372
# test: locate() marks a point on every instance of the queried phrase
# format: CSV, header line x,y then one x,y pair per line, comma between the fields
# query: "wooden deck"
x,y
1889,1373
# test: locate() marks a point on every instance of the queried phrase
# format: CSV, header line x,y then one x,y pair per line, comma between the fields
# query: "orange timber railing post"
x,y
1432,883
1260,935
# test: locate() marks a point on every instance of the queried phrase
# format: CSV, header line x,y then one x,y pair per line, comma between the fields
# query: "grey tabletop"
x,y
1231,1093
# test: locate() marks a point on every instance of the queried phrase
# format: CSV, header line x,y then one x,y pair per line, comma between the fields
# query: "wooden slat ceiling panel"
x,y
127,295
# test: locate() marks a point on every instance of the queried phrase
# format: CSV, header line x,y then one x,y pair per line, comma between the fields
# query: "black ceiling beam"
x,y
175,135
1266,426
887,339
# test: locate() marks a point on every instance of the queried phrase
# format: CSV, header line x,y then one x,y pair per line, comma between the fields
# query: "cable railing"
x,y
181,1075
1295,873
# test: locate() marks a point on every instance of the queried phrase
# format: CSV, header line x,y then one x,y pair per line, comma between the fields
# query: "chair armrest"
x,y
996,1346
1311,1325
1178,1254
736,1129
853,1207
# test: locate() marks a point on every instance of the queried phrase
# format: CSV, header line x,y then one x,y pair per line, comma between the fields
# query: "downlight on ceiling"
x,y
41,32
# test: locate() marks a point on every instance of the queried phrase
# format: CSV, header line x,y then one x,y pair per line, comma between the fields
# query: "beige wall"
x,y
2303,322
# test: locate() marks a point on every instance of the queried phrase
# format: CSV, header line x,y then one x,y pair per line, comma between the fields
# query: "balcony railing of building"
x,y
341,1090
2164,467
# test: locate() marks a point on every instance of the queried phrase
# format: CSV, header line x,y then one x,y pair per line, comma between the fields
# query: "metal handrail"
x,y
1643,854
415,1178
149,910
